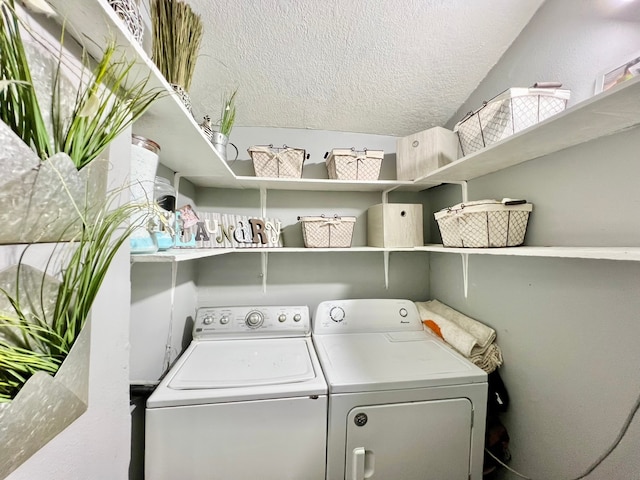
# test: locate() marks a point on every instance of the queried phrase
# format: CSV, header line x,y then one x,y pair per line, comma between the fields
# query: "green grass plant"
x,y
107,101
228,113
36,338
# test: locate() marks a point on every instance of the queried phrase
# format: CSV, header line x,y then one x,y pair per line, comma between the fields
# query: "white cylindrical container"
x,y
144,163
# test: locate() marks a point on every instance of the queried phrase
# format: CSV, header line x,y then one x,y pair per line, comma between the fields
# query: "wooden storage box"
x,y
424,152
395,225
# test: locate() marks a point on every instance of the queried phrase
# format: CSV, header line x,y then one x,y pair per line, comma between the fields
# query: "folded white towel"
x,y
489,360
483,334
455,336
471,338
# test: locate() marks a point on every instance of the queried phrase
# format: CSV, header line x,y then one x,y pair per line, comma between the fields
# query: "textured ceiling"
x,y
391,67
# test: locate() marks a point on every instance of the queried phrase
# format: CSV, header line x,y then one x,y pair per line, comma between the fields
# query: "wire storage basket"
x,y
129,12
352,164
278,162
327,232
484,223
510,112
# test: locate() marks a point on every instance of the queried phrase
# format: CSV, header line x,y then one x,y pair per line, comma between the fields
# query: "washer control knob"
x,y
403,312
282,318
297,317
254,319
207,320
336,314
224,320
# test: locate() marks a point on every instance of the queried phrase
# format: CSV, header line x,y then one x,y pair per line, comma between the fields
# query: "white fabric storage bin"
x,y
484,223
424,152
395,225
327,232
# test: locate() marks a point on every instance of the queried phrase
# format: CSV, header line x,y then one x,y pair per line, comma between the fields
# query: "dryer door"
x,y
427,440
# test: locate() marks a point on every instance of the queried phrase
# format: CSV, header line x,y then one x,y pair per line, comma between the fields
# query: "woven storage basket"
x,y
270,161
484,224
129,12
508,113
352,164
323,232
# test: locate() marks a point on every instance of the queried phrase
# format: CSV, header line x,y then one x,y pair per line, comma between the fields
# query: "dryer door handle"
x,y
362,464
357,464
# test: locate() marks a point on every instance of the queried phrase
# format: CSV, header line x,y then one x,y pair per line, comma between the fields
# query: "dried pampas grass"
x,y
177,35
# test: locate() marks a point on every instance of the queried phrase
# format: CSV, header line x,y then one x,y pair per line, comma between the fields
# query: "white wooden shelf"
x,y
604,114
631,254
309,184
184,148
187,151
180,255
594,253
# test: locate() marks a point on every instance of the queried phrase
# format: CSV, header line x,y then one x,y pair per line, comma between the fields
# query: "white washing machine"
x,y
246,400
402,404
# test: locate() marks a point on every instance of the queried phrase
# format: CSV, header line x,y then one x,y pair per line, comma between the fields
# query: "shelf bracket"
x,y
385,255
263,202
464,186
264,259
385,194
168,349
465,256
176,183
465,273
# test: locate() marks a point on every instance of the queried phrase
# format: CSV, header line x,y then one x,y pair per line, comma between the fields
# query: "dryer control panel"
x,y
366,316
241,321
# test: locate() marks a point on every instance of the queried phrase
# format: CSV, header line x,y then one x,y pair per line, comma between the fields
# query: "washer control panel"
x,y
366,315
239,321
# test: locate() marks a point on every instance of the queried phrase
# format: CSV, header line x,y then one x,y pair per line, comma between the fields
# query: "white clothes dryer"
x,y
246,400
402,404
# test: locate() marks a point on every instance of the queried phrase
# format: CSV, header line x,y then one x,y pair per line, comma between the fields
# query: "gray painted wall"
x,y
568,327
294,279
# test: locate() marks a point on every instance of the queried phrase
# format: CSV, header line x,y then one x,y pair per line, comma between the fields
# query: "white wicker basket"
x,y
484,223
284,162
327,232
352,164
129,12
508,113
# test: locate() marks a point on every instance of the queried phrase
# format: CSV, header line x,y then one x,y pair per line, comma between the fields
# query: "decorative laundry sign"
x,y
221,230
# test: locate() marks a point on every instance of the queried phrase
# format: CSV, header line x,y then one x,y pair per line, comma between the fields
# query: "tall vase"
x,y
144,164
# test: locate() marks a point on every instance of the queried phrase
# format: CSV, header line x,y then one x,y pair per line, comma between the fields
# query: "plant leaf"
x,y
40,6
4,84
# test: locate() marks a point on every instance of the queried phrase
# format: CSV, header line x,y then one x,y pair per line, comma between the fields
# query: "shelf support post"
x,y
385,194
385,255
264,259
465,273
168,349
263,202
465,256
463,186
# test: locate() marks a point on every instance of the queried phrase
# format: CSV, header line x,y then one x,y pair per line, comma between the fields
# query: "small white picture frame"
x,y
616,75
